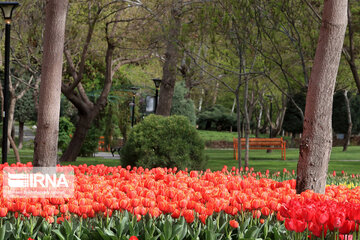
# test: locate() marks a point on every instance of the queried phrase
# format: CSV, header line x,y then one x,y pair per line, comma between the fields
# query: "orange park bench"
x,y
262,143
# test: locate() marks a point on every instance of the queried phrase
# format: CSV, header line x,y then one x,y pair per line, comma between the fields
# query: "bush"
x,y
91,142
164,142
355,113
216,118
66,129
292,121
339,114
181,105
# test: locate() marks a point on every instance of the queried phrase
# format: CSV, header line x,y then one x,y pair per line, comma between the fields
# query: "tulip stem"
x,y
307,230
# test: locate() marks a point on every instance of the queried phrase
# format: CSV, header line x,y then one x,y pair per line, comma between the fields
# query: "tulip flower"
x,y
234,223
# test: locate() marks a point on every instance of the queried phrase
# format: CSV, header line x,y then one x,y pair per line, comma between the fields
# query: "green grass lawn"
x,y
259,159
225,136
26,155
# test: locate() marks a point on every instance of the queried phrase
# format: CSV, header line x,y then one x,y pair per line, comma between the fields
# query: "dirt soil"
x,y
219,144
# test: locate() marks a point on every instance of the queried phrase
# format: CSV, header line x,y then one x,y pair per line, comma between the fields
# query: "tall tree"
x,y
316,142
171,60
46,140
113,15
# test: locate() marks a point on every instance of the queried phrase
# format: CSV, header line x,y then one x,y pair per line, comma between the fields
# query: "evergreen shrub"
x,y
182,105
164,142
66,129
216,118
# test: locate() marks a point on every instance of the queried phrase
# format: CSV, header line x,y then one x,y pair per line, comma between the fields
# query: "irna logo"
x,y
38,182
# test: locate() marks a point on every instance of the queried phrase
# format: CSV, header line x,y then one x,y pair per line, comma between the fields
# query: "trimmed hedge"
x,y
164,142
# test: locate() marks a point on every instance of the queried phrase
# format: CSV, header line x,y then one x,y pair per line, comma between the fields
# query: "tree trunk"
x,y
46,139
108,128
201,100
82,127
232,111
238,126
316,142
16,151
216,91
170,65
348,111
21,135
246,122
276,130
263,129
87,111
11,130
258,125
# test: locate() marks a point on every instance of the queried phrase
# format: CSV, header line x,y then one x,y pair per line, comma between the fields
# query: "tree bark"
x,y
246,122
11,130
348,111
16,151
316,142
82,127
258,124
46,139
21,135
238,123
216,91
171,58
87,111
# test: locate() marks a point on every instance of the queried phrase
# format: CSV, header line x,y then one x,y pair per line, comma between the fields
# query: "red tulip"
x,y
3,211
234,223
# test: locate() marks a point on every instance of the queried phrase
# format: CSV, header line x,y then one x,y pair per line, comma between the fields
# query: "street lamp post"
x,y
133,89
157,82
7,9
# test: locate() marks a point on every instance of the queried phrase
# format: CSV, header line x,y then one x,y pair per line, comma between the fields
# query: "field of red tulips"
x,y
117,203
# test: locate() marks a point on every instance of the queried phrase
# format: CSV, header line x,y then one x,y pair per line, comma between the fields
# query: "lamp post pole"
x,y
133,110
156,98
157,82
7,9
134,89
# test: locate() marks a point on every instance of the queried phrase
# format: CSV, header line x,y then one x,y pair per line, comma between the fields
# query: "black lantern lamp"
x,y
7,9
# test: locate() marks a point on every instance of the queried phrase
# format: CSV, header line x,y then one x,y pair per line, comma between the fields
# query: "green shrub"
x,y
66,129
339,114
91,142
355,113
181,105
292,121
216,118
164,142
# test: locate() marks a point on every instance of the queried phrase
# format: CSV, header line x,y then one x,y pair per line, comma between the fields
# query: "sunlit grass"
x,y
348,161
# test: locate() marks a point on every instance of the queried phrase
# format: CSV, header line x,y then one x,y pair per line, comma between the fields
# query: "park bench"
x,y
262,143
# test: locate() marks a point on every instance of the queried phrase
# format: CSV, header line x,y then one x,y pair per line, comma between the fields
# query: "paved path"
x,y
107,155
29,134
